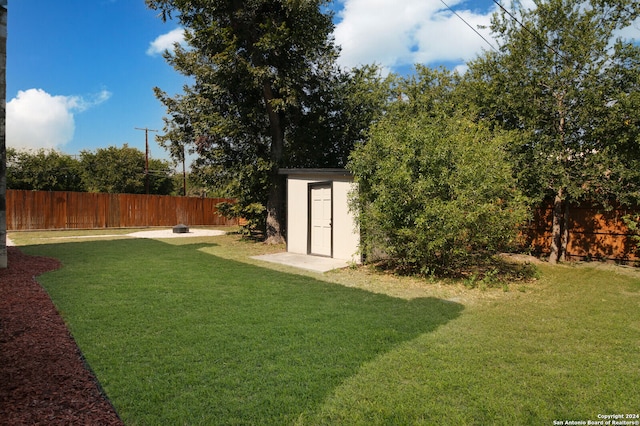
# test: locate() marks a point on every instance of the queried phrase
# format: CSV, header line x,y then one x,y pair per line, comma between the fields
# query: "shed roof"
x,y
326,172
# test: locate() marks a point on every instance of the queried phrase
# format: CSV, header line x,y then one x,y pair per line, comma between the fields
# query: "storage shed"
x,y
319,222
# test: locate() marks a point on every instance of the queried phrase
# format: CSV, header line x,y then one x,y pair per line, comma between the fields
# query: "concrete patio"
x,y
302,261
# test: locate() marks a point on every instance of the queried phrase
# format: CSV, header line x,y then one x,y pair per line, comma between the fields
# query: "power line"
x,y
536,36
470,26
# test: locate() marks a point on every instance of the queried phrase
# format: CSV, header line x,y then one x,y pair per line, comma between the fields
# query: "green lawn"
x,y
190,331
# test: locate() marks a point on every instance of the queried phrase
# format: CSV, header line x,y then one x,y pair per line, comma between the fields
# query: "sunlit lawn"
x,y
191,331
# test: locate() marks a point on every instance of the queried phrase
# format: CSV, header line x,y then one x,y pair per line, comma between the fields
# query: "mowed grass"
x,y
178,336
567,350
190,331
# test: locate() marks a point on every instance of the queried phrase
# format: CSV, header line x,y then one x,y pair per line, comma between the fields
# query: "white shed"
x,y
319,222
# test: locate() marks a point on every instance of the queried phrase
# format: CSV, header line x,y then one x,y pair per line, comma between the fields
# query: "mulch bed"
x,y
43,378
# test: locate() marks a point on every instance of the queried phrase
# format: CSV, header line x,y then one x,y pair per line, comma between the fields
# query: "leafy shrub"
x,y
436,194
253,215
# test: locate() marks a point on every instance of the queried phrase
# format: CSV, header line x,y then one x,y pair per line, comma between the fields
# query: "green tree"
x,y
338,118
565,80
161,177
122,170
264,76
435,190
43,170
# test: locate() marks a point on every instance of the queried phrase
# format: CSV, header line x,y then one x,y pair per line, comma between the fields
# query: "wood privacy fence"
x,y
594,234
29,210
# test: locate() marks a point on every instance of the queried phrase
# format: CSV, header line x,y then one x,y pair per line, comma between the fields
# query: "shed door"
x,y
320,220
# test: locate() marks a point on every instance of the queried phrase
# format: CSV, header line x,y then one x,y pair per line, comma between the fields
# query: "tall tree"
x,y
258,67
43,170
563,78
3,109
122,170
337,119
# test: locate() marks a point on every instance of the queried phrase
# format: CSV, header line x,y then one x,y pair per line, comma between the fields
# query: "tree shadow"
x,y
239,344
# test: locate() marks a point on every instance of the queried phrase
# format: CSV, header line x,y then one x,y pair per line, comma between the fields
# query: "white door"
x,y
321,220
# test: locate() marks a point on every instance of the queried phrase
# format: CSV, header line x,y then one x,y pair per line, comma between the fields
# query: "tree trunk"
x,y
275,202
275,211
3,146
558,239
565,233
556,230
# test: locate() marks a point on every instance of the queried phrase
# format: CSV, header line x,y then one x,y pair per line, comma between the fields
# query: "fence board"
x,y
31,210
593,234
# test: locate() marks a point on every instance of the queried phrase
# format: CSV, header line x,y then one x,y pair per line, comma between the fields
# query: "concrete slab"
x,y
302,261
168,233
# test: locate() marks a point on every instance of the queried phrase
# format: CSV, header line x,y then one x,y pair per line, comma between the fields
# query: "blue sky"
x,y
80,73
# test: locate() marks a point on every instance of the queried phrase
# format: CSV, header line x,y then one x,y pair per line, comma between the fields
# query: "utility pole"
x,y
146,156
184,174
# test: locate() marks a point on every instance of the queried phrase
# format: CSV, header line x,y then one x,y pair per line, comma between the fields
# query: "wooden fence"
x,y
594,234
30,210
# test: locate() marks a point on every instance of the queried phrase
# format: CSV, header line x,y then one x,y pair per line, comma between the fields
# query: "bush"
x,y
253,215
435,195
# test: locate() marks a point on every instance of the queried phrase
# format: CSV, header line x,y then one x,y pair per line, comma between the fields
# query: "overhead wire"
x,y
470,26
536,36
524,27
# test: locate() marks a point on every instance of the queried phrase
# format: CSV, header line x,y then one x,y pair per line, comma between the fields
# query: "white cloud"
x,y
80,104
394,34
166,42
36,119
446,37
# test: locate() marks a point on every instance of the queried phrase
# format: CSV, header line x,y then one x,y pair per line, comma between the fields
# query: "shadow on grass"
x,y
180,336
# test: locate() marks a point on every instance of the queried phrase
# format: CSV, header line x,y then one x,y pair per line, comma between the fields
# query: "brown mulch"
x,y
43,378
